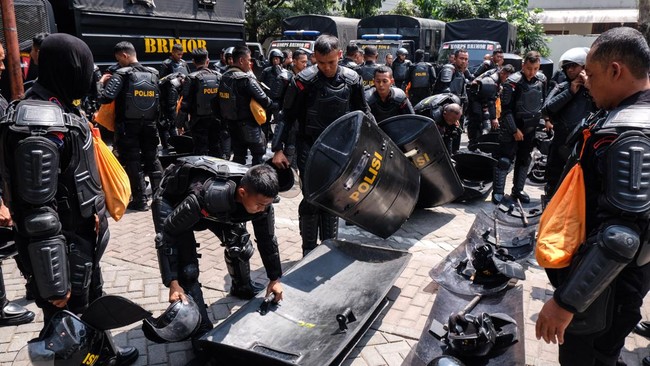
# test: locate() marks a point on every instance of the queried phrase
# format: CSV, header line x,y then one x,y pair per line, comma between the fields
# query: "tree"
x,y
644,18
264,18
360,8
405,8
323,7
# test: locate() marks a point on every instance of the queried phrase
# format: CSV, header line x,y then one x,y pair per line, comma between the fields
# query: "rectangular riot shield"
x,y
329,297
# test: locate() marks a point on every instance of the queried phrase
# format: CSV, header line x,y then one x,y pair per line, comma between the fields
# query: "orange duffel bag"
x,y
115,182
105,116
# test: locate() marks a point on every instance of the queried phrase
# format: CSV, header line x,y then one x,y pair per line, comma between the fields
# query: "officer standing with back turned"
x,y
134,88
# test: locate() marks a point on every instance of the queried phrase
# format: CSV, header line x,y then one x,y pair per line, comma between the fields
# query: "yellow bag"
x,y
105,116
562,227
497,106
258,112
115,182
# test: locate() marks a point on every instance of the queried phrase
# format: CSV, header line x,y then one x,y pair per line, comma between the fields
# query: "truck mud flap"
x,y
330,298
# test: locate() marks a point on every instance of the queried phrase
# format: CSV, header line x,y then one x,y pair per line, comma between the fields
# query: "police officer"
x,y
315,98
446,112
276,78
352,53
453,77
198,193
32,69
481,111
53,188
175,62
367,69
521,103
200,102
221,65
422,77
597,299
287,56
300,60
566,106
495,62
134,88
401,67
238,86
384,99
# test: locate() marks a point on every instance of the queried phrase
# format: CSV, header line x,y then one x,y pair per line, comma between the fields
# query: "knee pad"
x,y
504,163
190,273
243,253
42,222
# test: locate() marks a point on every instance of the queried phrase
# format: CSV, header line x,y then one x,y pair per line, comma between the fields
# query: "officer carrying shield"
x,y
134,88
384,99
422,77
200,193
53,187
200,102
521,100
238,86
315,98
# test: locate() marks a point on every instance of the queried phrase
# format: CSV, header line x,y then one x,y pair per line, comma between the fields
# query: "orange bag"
x,y
115,182
258,112
178,104
497,106
105,116
562,227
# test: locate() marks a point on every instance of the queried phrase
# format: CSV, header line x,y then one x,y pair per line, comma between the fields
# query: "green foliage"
x,y
530,33
405,8
264,18
360,8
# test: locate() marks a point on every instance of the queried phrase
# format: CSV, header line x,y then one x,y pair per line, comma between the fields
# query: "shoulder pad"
x,y
350,76
37,113
219,195
632,116
193,75
237,74
540,76
152,70
398,94
628,161
124,70
284,75
371,96
514,78
308,75
167,61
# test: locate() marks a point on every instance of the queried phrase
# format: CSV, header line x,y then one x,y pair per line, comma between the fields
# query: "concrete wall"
x,y
583,4
560,44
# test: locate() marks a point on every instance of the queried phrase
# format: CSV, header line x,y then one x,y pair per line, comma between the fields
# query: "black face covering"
x,y
65,67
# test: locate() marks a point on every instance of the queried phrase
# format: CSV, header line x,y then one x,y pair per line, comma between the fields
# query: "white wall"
x,y
583,4
560,44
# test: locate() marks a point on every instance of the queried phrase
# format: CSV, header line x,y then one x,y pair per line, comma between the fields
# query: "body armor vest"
x,y
142,96
228,98
420,76
367,72
457,84
206,83
390,108
175,67
278,84
400,70
531,98
326,102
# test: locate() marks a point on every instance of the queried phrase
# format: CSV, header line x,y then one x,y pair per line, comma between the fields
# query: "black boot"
x,y
309,232
10,312
136,179
116,356
154,178
499,184
519,181
240,275
328,226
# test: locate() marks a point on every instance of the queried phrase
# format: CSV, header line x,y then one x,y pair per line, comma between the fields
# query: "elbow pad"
x,y
615,247
184,216
112,88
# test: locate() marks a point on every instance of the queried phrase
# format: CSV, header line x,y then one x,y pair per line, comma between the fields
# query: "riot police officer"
x,y
300,60
566,106
454,76
352,53
401,67
200,102
384,99
521,103
422,77
222,64
482,96
367,69
175,62
276,78
134,88
315,98
53,187
446,113
202,193
495,62
238,86
597,299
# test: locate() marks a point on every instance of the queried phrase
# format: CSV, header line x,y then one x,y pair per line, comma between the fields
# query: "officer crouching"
x,y
197,195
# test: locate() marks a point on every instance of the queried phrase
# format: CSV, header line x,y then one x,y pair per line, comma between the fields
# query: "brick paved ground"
x,y
130,269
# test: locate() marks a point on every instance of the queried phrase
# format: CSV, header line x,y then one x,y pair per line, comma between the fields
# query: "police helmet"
x,y
65,340
402,51
229,51
276,53
176,324
471,335
446,361
576,55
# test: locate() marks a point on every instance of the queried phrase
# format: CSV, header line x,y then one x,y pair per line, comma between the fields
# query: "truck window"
x,y
427,39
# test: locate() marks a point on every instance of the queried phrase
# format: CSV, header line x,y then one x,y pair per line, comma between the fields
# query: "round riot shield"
x,y
474,166
356,172
419,139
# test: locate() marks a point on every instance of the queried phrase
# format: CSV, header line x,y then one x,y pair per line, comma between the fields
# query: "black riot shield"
x,y
358,173
420,140
476,171
330,297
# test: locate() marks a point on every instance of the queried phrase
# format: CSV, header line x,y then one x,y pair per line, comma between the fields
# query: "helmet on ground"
x,y
471,335
176,324
446,361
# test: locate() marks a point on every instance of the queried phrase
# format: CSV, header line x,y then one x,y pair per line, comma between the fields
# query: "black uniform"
x,y
313,102
196,194
349,63
566,110
481,109
276,78
452,80
367,73
607,301
484,67
200,102
423,78
236,90
401,72
396,104
434,110
521,109
167,127
169,66
137,107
